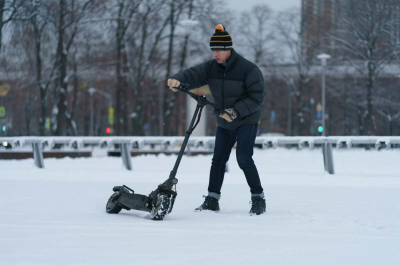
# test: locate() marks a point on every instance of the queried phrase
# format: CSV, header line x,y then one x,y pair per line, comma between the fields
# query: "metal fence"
x,y
126,145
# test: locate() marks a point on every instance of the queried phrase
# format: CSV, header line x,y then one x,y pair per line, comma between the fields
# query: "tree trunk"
x,y
139,120
179,110
62,74
2,4
43,94
170,101
345,126
298,109
121,92
167,101
125,85
28,114
72,129
42,89
360,121
390,127
76,87
369,123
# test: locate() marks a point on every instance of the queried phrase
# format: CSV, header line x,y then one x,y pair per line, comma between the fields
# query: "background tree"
x,y
125,10
368,38
37,19
290,32
8,11
259,35
66,17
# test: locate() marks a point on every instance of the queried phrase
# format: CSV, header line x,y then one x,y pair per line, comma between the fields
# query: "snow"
x,y
56,215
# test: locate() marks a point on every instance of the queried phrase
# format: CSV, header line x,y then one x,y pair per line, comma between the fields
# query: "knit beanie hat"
x,y
221,40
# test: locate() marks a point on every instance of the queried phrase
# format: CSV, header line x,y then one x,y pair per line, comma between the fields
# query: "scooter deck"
x,y
135,202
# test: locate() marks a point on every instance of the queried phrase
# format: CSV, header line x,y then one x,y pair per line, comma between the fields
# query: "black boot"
x,y
257,205
210,203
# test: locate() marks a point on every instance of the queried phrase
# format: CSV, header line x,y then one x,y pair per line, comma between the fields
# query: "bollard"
x,y
37,155
328,158
126,156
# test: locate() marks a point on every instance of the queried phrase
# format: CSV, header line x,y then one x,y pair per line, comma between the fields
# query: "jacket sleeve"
x,y
195,76
255,90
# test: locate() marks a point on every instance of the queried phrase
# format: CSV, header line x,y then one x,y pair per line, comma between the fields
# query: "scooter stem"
x,y
172,175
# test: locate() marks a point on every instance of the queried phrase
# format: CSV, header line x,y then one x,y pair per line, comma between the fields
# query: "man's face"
x,y
221,55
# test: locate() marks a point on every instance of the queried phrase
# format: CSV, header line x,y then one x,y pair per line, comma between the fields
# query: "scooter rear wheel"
x,y
161,209
112,206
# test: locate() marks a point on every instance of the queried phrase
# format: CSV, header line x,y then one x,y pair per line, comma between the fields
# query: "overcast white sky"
x,y
276,5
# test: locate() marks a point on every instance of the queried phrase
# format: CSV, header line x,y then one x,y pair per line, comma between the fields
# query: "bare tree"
x,y
391,118
177,110
126,48
67,21
290,27
143,49
8,11
28,32
387,104
258,34
176,8
368,37
37,17
125,10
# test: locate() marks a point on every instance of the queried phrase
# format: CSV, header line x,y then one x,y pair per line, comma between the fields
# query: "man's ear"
x,y
204,90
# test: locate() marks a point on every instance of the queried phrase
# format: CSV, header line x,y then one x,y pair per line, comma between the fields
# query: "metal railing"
x,y
128,144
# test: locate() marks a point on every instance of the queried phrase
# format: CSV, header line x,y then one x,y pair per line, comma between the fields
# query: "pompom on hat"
x,y
221,40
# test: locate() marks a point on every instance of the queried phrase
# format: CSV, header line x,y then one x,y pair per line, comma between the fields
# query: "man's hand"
x,y
172,84
230,116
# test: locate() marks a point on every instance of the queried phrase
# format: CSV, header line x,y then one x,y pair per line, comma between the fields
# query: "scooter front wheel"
x,y
112,206
160,210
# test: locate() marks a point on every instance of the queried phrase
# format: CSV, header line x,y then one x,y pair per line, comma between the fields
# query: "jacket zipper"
x,y
223,98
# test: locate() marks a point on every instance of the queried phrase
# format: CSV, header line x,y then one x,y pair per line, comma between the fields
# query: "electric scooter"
x,y
159,202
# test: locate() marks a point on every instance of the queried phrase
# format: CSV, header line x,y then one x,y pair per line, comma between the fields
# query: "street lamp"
x,y
326,147
323,58
191,104
91,91
188,24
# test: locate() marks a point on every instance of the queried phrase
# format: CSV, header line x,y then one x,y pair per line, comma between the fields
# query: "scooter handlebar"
x,y
185,88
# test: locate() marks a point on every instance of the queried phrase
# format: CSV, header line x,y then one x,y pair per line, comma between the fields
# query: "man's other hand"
x,y
230,116
172,84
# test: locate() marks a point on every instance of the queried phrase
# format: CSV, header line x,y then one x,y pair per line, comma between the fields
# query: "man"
x,y
237,86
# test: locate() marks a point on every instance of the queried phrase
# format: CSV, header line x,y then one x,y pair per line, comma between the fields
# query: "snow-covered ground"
x,y
56,215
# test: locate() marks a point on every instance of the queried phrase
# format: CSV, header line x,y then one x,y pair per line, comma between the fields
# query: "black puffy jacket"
x,y
238,83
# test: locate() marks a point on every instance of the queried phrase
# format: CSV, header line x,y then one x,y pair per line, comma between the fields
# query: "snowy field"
x,y
56,216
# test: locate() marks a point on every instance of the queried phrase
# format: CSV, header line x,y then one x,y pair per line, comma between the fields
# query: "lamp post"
x,y
326,147
323,58
191,104
92,91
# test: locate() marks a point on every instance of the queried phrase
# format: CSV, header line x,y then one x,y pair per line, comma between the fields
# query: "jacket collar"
x,y
230,62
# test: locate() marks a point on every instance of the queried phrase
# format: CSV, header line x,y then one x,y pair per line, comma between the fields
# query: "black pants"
x,y
224,141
